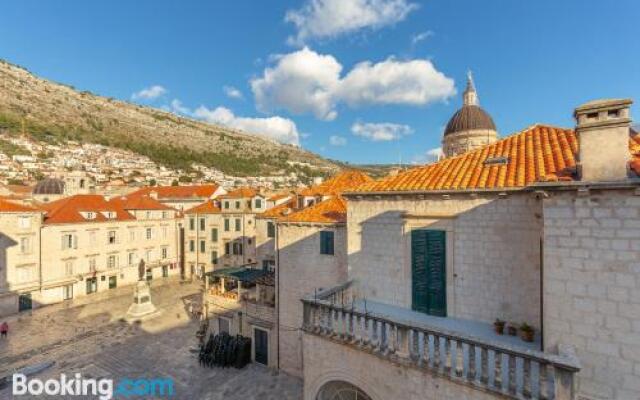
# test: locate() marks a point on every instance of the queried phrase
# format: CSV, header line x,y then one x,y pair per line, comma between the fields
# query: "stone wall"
x,y
326,361
301,270
493,251
592,287
462,142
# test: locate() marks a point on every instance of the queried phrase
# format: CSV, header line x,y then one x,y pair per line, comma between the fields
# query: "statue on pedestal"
x,y
142,307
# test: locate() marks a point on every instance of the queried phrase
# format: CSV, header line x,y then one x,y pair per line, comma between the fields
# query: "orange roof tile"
x,y
240,193
138,203
330,211
537,154
68,210
280,196
279,211
9,206
342,182
177,192
208,207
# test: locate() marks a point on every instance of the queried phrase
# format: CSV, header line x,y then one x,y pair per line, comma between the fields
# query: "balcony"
x,y
461,351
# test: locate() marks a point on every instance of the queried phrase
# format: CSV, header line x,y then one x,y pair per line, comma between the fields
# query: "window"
x,y
214,234
237,249
249,241
132,235
271,229
164,252
67,292
226,225
258,203
132,258
192,246
238,223
226,204
25,245
237,205
68,268
92,265
192,224
69,241
214,257
227,248
111,237
24,222
164,215
326,242
149,233
111,262
223,325
202,223
202,246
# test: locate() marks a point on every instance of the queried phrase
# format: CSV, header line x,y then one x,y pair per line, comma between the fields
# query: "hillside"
x,y
54,113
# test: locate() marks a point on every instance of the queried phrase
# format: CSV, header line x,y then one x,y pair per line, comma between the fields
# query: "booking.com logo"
x,y
103,388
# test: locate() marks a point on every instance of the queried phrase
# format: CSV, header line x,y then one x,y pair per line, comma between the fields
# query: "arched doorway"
x,y
339,390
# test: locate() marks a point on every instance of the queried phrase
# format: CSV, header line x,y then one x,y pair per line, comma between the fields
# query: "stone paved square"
x,y
90,338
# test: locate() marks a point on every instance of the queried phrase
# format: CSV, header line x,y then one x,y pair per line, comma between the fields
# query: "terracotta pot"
x,y
499,328
512,330
527,335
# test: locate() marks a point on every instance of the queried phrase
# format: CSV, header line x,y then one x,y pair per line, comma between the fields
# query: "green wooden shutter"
x,y
428,265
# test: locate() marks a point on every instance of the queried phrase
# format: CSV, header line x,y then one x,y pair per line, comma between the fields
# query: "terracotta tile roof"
x,y
208,207
279,211
138,203
537,154
280,196
20,189
331,211
342,182
241,193
177,192
68,210
9,206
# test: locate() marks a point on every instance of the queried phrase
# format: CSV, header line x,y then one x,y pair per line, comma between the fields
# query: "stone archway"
x,y
341,390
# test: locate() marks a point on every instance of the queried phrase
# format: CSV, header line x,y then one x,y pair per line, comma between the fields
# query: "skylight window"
x,y
496,161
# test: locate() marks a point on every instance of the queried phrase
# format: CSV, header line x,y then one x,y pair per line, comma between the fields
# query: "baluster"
x,y
421,350
551,383
442,348
412,344
491,367
393,338
355,328
365,331
534,379
386,326
504,369
477,363
379,336
342,326
519,376
454,357
403,342
432,350
465,361
374,333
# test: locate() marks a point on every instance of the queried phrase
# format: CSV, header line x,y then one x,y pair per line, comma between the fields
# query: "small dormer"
x,y
89,215
109,214
603,127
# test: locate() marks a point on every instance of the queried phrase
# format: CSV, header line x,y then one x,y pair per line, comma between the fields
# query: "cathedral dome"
x,y
469,117
49,186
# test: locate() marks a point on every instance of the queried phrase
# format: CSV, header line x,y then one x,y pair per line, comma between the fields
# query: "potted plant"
x,y
512,329
527,333
498,326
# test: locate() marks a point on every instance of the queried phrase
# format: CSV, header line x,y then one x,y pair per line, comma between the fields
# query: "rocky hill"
x,y
53,112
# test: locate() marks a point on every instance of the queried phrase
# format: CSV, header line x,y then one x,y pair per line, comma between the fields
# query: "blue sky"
x,y
364,81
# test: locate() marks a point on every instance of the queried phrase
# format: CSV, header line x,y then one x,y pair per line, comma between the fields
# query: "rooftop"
x,y
208,207
9,206
540,153
343,181
330,211
241,193
177,192
71,209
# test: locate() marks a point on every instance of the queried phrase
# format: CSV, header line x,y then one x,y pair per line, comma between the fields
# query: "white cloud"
x,y
150,93
301,82
430,156
307,82
326,19
380,132
419,37
177,107
233,93
414,82
337,140
280,129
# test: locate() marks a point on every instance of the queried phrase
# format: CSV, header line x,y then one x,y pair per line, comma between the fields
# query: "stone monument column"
x,y
142,307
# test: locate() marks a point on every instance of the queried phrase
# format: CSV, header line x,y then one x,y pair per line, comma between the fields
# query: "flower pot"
x,y
498,328
512,330
527,335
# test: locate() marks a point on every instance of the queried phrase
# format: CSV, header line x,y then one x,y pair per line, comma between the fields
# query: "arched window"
x,y
339,390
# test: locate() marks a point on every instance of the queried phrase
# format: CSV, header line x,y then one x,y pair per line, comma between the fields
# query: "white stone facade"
x,y
592,287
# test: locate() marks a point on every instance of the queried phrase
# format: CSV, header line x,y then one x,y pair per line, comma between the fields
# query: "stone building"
x,y
19,255
470,127
537,228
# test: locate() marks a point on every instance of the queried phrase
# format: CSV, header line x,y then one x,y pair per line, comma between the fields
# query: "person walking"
x,y
4,328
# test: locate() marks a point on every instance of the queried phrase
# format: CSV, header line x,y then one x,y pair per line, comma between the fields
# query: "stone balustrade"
x,y
501,369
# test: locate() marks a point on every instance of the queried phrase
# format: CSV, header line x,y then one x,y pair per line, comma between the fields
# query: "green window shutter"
x,y
214,234
226,225
428,270
326,243
271,229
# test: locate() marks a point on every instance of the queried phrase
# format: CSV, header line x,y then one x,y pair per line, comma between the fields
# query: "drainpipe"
x,y
277,247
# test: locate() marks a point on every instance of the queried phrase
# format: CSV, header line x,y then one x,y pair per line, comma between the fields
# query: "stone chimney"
x,y
602,127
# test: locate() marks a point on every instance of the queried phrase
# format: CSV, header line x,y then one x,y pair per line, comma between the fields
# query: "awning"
x,y
243,274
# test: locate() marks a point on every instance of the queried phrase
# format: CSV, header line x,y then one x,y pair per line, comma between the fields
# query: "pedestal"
x,y
142,307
